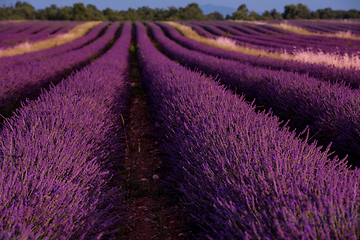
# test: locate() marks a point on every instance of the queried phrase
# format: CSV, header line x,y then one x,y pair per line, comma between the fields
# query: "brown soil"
x,y
152,214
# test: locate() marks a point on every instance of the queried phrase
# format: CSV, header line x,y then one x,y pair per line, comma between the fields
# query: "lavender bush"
x,y
92,35
330,110
326,73
333,27
17,28
39,31
54,155
242,176
26,80
255,36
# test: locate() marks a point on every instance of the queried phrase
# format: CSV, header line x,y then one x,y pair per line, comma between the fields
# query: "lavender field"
x,y
248,145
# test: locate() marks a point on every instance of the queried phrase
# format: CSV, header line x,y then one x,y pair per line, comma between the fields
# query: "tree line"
x,y
80,12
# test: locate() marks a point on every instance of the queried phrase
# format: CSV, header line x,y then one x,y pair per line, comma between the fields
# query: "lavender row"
x,y
331,74
27,27
242,39
70,25
276,29
291,39
199,30
261,29
7,62
36,27
241,28
11,41
214,33
54,155
326,27
287,35
277,43
252,41
299,38
229,30
39,33
212,29
26,81
291,43
254,29
6,25
18,28
241,175
320,29
330,110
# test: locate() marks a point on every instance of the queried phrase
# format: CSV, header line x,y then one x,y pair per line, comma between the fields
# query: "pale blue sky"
x,y
257,5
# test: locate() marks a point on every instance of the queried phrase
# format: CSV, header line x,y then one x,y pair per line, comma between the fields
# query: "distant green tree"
x,y
79,12
290,11
265,16
6,12
40,15
24,10
110,15
215,16
146,14
273,14
170,14
326,13
191,12
276,15
339,14
296,12
253,15
50,13
243,8
315,15
131,15
352,13
65,13
242,13
94,14
304,11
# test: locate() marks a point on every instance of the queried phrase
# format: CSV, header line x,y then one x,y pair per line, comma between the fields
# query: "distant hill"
x,y
208,8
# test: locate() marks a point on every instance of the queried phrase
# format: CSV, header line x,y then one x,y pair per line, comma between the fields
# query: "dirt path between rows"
x,y
153,214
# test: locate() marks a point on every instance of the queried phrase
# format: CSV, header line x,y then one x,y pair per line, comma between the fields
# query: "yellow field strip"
x,y
77,32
